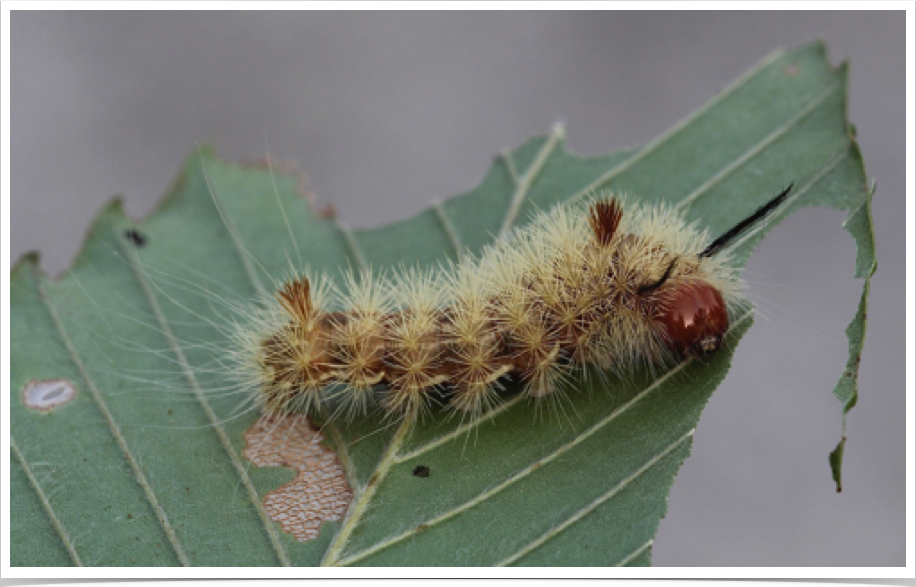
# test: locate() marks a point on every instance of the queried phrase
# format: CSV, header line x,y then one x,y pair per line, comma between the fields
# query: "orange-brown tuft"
x,y
295,297
604,218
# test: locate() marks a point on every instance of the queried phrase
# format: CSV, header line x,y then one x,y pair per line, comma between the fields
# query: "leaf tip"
x,y
836,464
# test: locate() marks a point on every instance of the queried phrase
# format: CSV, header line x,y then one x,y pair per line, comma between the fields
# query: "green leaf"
x,y
144,465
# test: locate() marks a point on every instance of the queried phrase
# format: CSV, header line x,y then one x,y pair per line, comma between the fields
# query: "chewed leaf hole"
x,y
320,490
46,395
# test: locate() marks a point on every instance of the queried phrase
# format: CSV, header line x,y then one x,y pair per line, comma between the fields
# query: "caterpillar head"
x,y
689,312
695,319
687,307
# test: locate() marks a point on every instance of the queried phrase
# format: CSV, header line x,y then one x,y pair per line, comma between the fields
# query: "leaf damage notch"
x,y
320,490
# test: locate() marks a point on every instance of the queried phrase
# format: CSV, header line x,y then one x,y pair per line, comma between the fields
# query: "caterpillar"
x,y
606,285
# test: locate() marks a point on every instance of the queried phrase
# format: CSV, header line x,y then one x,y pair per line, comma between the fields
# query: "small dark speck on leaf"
x,y
421,471
130,516
135,236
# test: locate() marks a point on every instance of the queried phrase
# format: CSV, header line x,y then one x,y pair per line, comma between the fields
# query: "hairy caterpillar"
x,y
610,284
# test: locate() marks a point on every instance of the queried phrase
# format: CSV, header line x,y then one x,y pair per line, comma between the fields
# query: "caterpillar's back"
x,y
608,284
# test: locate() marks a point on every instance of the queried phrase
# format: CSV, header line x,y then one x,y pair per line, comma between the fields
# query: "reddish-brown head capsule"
x,y
696,320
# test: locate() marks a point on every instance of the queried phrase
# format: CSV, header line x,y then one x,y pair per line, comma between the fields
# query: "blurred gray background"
x,y
387,111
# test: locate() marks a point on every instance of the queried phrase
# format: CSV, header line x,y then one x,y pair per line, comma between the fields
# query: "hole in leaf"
x,y
46,395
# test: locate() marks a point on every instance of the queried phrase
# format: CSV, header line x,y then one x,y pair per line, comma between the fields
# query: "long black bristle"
x,y
743,226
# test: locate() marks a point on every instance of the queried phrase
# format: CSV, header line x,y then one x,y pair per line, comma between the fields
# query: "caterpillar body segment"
x,y
607,284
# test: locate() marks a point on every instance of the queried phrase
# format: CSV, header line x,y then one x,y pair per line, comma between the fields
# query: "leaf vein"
x,y
112,425
557,133
768,140
356,251
244,254
629,558
46,504
166,329
677,128
458,431
364,494
450,229
594,504
506,156
828,167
